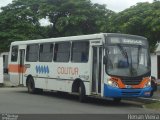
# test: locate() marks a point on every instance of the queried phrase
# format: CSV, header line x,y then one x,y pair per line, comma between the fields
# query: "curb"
x,y
150,99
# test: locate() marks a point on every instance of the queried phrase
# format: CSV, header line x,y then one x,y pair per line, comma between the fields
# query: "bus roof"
x,y
73,38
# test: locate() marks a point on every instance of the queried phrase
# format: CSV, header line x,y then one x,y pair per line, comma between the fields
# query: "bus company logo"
x,y
128,86
42,69
68,70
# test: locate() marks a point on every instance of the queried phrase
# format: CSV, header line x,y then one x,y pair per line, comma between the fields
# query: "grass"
x,y
155,106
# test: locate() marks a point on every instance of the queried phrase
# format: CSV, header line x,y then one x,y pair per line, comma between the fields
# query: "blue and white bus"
x,y
102,65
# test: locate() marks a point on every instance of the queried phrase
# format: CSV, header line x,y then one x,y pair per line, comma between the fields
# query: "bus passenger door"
x,y
96,69
21,65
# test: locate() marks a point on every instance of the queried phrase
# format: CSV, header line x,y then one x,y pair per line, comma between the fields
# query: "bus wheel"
x,y
81,91
117,100
31,86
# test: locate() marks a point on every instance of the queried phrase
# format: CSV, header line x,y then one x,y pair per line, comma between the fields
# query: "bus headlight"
x,y
148,84
112,83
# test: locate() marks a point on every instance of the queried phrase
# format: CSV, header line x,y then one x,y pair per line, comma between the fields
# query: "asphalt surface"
x,y
16,100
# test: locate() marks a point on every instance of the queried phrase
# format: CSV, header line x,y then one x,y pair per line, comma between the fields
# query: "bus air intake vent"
x,y
129,94
131,81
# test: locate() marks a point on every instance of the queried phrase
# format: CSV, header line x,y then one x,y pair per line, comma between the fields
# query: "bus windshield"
x,y
127,60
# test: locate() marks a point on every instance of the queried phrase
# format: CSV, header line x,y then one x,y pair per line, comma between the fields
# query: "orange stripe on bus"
x,y
16,68
142,84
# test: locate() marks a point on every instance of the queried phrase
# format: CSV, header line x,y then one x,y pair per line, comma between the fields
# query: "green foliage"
x,y
70,17
153,105
141,19
20,20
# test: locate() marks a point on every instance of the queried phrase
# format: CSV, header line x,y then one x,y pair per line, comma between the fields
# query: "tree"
x,y
70,17
141,19
20,20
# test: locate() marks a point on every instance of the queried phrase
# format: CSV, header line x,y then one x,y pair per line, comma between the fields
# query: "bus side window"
x,y
14,54
62,52
46,52
80,51
32,53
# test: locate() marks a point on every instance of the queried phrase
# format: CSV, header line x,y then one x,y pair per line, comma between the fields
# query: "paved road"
x,y
18,101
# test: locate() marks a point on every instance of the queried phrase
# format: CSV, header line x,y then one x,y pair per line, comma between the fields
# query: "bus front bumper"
x,y
122,93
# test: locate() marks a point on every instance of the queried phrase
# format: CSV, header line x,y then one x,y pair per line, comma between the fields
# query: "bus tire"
x,y
81,91
117,100
31,85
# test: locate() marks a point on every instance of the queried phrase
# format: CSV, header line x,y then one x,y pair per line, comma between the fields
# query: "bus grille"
x,y
131,81
127,94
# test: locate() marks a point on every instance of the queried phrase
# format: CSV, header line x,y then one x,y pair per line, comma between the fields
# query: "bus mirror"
x,y
105,60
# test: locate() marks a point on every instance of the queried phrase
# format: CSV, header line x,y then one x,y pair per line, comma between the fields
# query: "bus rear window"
x,y
32,53
14,54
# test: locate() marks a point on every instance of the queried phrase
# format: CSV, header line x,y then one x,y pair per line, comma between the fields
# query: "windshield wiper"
x,y
124,53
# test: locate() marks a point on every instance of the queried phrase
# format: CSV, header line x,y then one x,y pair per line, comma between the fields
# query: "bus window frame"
x,y
55,52
17,47
53,45
26,57
87,51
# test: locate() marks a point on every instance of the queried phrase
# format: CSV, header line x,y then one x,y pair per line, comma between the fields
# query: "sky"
x,y
4,2
115,5
119,5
